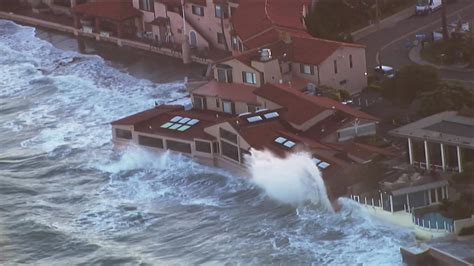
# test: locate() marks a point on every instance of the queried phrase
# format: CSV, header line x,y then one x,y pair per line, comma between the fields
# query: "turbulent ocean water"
x,y
68,197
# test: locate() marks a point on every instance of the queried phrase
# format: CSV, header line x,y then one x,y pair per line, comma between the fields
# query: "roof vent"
x,y
265,54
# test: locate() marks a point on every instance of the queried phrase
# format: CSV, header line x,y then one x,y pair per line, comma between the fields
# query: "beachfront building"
x,y
412,200
443,142
238,111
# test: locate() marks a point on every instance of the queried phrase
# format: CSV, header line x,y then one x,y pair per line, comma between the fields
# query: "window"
x,y
218,11
218,104
335,67
252,108
220,37
198,11
221,74
351,64
249,77
233,10
200,103
202,146
147,5
150,142
227,135
228,107
229,75
178,146
123,134
230,151
307,69
215,147
235,43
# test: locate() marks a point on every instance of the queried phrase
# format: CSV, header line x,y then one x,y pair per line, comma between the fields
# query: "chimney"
x,y
285,37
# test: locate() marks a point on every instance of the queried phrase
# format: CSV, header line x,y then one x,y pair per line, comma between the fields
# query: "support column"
x,y
391,203
77,22
427,156
139,24
73,3
119,30
97,24
443,157
408,204
459,159
410,150
381,200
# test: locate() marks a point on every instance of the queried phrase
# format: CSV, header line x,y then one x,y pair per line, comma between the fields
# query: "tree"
x,y
411,81
444,20
446,97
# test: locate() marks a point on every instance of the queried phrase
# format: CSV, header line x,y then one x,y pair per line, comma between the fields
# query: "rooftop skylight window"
x,y
280,140
192,122
324,165
184,120
271,115
254,119
176,119
166,125
183,128
175,126
289,144
316,161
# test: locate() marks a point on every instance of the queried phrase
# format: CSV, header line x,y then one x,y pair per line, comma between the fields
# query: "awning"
x,y
117,11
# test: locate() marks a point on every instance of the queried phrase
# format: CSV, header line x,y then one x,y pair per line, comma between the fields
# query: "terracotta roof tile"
x,y
228,91
145,115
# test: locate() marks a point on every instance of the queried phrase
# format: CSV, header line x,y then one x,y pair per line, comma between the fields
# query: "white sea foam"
x,y
292,180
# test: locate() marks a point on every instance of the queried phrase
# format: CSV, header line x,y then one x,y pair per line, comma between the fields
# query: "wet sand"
x,y
141,64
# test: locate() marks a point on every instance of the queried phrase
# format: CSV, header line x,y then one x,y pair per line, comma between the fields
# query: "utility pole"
x,y
444,20
377,24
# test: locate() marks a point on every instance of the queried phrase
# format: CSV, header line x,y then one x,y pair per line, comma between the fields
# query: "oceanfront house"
x,y
412,200
239,110
441,142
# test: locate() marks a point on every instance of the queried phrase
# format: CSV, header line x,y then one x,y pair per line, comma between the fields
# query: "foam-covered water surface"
x,y
67,196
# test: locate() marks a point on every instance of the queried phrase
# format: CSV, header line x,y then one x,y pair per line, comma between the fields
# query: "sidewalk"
x,y
384,23
415,57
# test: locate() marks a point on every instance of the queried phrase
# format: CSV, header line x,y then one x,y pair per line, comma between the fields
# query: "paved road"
x,y
393,42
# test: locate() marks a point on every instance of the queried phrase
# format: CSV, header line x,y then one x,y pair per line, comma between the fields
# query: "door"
x,y
192,39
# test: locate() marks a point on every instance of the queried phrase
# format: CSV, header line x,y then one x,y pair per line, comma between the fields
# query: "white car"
x,y
427,6
384,72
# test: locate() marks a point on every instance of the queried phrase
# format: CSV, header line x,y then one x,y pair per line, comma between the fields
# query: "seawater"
x,y
68,197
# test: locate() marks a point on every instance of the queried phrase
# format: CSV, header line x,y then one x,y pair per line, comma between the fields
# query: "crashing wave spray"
x,y
292,180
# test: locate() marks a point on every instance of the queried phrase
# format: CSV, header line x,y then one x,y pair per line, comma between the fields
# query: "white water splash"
x,y
292,180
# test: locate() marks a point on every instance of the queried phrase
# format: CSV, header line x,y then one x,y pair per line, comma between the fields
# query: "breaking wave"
x,y
68,196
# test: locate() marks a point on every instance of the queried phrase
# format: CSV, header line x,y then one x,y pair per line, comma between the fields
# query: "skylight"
x,y
183,128
175,126
324,165
271,115
280,140
289,144
184,120
193,122
176,119
254,119
166,125
316,161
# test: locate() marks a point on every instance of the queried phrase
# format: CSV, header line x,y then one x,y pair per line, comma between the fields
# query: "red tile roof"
x,y
228,91
148,114
117,11
259,17
302,107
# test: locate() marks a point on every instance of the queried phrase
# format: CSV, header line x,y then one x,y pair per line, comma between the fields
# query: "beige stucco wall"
x,y
237,68
270,69
240,107
355,77
209,25
176,22
147,16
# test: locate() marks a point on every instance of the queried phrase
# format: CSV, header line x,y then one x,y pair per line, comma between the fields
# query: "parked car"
x,y
384,72
427,6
